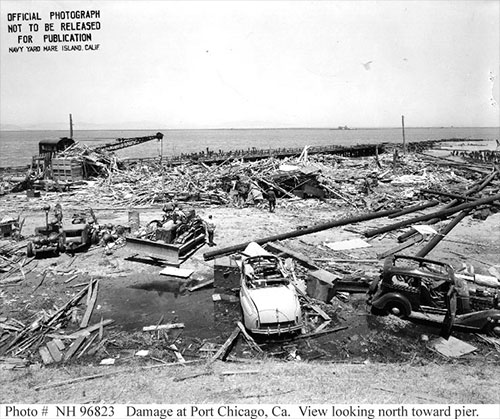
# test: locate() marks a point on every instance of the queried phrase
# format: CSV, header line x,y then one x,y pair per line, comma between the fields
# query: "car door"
x,y
451,311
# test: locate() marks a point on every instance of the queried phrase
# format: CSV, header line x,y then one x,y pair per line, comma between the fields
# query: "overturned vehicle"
x,y
410,285
269,301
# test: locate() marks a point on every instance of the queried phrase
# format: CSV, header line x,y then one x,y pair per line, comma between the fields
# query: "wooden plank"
x,y
71,278
322,326
74,347
90,306
173,271
101,329
45,354
222,352
319,311
88,345
90,329
323,332
107,374
410,242
59,343
190,376
163,327
200,285
249,338
178,355
239,372
302,293
452,347
55,353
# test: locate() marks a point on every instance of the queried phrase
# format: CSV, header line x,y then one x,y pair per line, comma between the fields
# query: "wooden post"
x,y
404,141
70,126
161,150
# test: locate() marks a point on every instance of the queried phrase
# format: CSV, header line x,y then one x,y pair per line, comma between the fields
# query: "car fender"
x,y
478,319
383,300
373,287
250,312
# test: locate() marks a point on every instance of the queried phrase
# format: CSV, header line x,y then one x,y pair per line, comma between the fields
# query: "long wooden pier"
x,y
252,154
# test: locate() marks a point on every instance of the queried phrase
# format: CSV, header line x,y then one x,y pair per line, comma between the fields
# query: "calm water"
x,y
17,147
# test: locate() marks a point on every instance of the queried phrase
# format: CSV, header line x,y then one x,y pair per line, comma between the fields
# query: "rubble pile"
x,y
366,183
44,336
346,191
94,163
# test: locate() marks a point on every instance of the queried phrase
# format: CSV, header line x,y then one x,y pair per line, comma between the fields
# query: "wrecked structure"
x,y
415,188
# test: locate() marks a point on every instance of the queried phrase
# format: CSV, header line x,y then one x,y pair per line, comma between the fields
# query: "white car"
x,y
268,299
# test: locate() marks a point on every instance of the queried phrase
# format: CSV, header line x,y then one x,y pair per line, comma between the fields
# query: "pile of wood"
x,y
94,163
13,262
45,337
386,181
319,176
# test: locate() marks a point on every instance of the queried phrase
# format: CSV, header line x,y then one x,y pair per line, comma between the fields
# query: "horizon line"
x,y
251,128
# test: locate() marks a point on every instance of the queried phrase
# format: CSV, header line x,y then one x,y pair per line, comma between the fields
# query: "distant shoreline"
x,y
246,129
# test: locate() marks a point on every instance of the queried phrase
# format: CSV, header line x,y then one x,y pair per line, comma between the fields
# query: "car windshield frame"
x,y
264,271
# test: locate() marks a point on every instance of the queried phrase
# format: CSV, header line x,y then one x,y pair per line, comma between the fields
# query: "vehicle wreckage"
x,y
269,301
409,285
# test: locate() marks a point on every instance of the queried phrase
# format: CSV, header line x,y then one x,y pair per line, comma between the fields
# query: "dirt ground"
x,y
134,295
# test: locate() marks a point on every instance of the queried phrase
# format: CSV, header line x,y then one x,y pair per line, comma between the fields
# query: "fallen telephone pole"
x,y
296,233
479,186
422,253
439,214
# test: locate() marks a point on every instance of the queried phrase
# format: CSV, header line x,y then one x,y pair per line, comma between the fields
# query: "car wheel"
x,y
397,309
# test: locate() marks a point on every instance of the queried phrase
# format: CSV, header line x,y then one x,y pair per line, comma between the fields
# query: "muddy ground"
x,y
134,295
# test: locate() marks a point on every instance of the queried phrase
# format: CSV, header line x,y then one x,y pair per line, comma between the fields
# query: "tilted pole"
x,y
438,214
403,125
296,233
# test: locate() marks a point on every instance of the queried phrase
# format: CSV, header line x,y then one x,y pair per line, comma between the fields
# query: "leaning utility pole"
x,y
403,125
70,126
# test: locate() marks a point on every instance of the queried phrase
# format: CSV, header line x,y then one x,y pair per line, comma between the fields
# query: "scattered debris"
x,y
163,327
452,347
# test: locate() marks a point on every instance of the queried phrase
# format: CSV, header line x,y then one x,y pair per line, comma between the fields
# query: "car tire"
x,y
397,309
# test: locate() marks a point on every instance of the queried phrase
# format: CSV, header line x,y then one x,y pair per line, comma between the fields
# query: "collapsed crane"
x,y
120,143
65,160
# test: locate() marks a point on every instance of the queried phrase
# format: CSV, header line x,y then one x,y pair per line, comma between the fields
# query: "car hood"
x,y
271,299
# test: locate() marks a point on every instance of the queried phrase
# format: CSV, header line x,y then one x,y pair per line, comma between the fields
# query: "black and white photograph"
x,y
250,209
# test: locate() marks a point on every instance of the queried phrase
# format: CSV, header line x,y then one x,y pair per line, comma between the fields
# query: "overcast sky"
x,y
167,64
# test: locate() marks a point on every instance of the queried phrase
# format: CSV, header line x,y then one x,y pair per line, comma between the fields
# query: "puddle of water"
x,y
144,305
146,301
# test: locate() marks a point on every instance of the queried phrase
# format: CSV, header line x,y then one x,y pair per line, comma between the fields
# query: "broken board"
x,y
451,348
173,271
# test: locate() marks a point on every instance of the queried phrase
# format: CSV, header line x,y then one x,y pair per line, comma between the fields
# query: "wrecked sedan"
x,y
269,301
411,285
